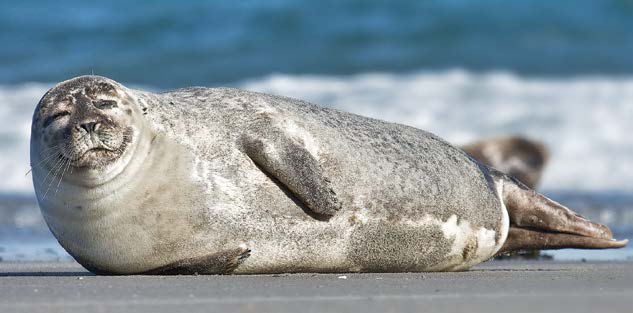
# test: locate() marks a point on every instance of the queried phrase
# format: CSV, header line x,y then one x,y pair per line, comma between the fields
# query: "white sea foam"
x,y
16,109
586,121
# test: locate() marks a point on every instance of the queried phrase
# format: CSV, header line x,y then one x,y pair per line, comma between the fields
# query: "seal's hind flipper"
x,y
528,239
537,222
292,165
224,262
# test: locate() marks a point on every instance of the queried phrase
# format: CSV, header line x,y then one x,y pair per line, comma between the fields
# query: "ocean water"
x,y
171,44
557,71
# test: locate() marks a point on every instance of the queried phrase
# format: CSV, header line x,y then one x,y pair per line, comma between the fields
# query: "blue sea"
x,y
556,71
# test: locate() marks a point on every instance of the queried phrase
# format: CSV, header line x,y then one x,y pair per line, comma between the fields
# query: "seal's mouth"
x,y
95,156
96,151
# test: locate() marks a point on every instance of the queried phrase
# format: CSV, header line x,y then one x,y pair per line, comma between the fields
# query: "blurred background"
x,y
560,72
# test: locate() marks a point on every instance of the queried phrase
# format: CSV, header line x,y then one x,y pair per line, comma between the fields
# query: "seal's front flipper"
x,y
537,222
289,162
223,262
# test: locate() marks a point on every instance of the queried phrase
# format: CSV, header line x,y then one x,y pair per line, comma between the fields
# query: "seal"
x,y
520,157
216,181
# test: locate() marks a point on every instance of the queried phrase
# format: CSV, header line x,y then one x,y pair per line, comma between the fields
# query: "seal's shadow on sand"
x,y
45,274
484,270
475,271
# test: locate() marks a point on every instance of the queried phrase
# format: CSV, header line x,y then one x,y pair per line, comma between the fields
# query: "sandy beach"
x,y
516,286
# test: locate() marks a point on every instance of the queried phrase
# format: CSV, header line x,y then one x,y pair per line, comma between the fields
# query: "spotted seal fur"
x,y
211,181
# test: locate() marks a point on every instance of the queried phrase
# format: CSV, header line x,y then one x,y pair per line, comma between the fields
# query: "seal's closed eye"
x,y
55,117
105,104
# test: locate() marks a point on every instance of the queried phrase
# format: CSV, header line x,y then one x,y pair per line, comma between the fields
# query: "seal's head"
x,y
86,124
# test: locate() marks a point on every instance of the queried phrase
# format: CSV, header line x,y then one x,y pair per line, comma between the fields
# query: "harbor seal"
x,y
216,181
520,157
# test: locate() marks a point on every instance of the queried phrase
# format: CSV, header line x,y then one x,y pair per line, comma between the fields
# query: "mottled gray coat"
x,y
389,179
297,186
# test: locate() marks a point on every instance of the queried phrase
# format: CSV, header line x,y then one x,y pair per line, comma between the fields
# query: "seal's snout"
x,y
95,139
89,127
93,130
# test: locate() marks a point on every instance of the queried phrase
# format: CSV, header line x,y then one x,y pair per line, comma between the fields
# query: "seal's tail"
x,y
537,222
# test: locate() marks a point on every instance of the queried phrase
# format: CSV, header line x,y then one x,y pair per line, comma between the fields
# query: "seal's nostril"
x,y
89,127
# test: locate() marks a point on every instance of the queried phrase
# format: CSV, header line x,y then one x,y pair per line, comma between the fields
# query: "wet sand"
x,y
511,286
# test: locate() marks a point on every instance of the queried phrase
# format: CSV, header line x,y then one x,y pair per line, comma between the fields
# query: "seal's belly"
x,y
353,242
